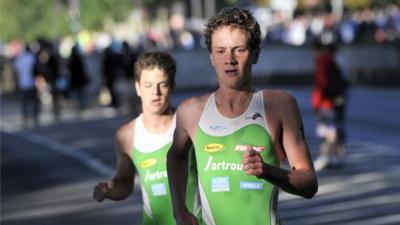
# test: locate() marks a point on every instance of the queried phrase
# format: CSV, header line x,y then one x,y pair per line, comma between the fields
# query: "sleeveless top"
x,y
149,157
228,195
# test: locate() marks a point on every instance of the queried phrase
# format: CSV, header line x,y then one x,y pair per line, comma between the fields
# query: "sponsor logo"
x,y
214,147
217,128
253,117
220,184
159,189
242,148
147,163
222,165
157,175
245,185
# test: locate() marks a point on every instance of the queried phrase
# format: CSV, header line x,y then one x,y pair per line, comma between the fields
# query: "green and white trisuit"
x,y
228,195
149,157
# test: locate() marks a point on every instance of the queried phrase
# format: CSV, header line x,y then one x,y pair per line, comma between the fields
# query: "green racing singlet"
x,y
228,195
149,157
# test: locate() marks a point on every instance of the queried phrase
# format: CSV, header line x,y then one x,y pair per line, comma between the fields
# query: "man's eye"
x,y
240,50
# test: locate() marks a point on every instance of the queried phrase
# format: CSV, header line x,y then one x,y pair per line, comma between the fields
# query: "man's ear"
x,y
137,88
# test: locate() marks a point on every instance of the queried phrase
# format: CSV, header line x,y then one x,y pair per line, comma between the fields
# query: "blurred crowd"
x,y
43,78
349,27
91,69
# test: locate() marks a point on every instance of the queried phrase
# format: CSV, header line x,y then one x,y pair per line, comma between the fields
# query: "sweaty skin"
x,y
142,145
232,59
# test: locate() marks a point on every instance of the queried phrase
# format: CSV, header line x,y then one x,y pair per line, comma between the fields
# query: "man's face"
x,y
231,57
154,90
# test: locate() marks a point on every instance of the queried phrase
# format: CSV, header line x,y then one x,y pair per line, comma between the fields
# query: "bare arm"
x,y
177,163
121,185
300,179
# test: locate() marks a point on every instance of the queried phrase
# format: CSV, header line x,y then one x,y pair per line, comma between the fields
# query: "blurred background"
x,y
56,147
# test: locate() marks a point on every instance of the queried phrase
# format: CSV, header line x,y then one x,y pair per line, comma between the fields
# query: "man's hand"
x,y
185,218
252,162
101,190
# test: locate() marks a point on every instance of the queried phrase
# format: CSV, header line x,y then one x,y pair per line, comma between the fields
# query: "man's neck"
x,y
158,123
233,102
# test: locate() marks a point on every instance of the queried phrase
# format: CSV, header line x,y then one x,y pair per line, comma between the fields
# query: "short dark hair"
x,y
239,18
161,60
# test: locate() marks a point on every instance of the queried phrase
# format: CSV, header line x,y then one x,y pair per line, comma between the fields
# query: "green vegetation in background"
x,y
93,12
26,20
360,4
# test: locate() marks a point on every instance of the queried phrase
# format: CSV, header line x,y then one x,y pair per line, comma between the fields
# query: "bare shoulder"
x,y
189,113
279,98
124,136
193,104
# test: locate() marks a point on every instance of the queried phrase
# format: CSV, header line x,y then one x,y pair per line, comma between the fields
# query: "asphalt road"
x,y
47,173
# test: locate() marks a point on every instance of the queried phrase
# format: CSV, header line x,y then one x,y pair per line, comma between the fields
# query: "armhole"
x,y
281,154
206,108
132,148
264,112
198,125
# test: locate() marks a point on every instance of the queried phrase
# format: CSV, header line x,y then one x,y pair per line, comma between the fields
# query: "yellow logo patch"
x,y
147,163
214,147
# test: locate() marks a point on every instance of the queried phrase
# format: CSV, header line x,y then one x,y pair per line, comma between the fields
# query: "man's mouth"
x,y
231,72
158,100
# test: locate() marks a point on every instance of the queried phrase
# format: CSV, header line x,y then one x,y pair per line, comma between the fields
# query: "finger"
x,y
99,192
194,222
251,152
250,166
109,185
253,166
255,172
254,152
251,159
98,196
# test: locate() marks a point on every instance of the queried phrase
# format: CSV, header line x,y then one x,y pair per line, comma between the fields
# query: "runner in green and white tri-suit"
x,y
149,157
240,136
142,145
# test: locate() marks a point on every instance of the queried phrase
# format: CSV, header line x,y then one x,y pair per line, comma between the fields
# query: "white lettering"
x,y
208,163
222,165
155,175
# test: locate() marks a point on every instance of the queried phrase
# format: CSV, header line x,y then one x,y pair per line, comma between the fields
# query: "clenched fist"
x,y
252,162
101,190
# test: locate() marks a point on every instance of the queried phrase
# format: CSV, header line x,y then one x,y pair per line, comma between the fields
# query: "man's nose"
x,y
157,90
230,58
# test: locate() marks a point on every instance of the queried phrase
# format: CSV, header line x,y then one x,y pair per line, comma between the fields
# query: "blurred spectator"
x,y
128,58
296,34
367,26
347,28
78,77
328,102
24,67
47,67
109,70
